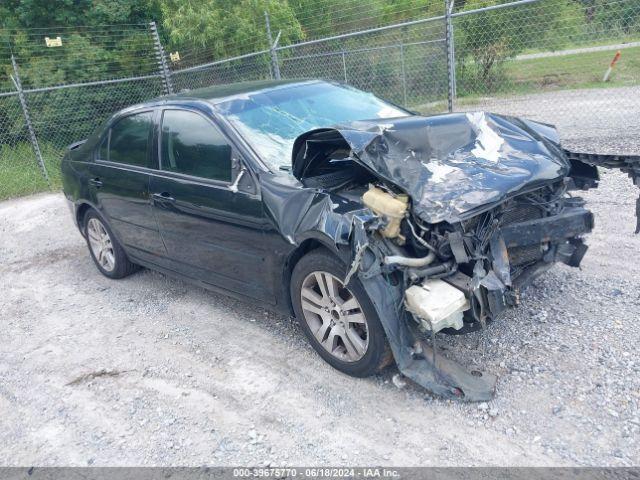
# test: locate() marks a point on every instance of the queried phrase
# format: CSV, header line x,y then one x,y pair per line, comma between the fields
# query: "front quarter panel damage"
x,y
346,228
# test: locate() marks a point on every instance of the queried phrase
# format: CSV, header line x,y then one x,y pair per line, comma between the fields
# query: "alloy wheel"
x,y
334,316
101,244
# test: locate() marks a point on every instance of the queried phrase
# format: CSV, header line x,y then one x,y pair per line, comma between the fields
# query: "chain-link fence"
x,y
254,66
57,86
543,59
406,65
549,60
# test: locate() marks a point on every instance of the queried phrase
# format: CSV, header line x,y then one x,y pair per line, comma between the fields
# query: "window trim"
x,y
108,161
106,137
203,180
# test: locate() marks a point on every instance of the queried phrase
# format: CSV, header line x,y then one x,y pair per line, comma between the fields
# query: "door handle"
x,y
96,182
163,197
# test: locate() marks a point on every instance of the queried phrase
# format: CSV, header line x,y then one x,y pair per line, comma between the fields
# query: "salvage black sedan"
x,y
374,226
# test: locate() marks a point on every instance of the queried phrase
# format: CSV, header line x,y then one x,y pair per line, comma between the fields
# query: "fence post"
x,y
162,60
272,48
25,110
454,79
344,66
451,67
404,75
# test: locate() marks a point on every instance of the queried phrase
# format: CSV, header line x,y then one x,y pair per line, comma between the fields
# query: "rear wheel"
x,y
106,252
339,321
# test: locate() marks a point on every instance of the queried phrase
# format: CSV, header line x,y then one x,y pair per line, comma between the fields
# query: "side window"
x,y
129,142
194,146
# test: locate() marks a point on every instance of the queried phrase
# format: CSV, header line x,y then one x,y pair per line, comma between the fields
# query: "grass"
x,y
522,77
580,70
20,173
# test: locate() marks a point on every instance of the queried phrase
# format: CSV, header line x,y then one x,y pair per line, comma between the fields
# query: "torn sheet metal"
x,y
450,165
436,373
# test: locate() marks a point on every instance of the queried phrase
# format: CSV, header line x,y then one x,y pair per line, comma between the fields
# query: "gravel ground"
x,y
603,120
153,371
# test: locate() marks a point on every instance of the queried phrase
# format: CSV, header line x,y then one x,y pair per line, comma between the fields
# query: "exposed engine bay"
x,y
457,277
444,220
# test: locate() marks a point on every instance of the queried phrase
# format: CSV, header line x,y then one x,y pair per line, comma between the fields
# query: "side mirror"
x,y
242,178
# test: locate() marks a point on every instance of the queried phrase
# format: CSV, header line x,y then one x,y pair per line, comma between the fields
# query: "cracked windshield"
x,y
271,120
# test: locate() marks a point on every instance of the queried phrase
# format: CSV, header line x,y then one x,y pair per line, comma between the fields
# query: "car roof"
x,y
216,93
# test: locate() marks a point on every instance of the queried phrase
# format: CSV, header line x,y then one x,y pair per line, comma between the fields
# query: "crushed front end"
x,y
456,277
498,252
461,212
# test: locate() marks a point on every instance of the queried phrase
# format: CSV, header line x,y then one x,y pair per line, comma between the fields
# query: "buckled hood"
x,y
450,165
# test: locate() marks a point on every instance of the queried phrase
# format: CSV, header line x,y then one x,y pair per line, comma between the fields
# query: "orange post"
x,y
616,57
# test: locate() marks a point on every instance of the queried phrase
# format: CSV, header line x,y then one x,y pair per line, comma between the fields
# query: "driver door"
x,y
213,229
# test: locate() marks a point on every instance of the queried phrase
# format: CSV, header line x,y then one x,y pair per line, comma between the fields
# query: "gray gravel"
x,y
152,371
602,120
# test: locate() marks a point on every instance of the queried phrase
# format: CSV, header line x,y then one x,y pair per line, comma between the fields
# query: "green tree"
x,y
227,27
90,50
323,18
613,19
56,13
485,40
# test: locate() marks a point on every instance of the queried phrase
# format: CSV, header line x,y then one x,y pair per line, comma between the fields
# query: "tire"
x,y
104,248
357,358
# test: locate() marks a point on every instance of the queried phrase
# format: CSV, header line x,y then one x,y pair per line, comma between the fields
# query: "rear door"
x,y
210,214
120,183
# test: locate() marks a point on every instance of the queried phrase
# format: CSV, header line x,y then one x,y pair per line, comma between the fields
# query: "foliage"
x,y
489,38
56,13
323,18
20,173
90,51
623,17
206,24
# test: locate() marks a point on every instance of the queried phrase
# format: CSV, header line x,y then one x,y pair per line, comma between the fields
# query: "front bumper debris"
x,y
449,379
414,358
488,293
571,223
559,234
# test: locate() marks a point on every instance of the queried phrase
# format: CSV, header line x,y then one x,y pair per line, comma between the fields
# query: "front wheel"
x,y
339,321
106,252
